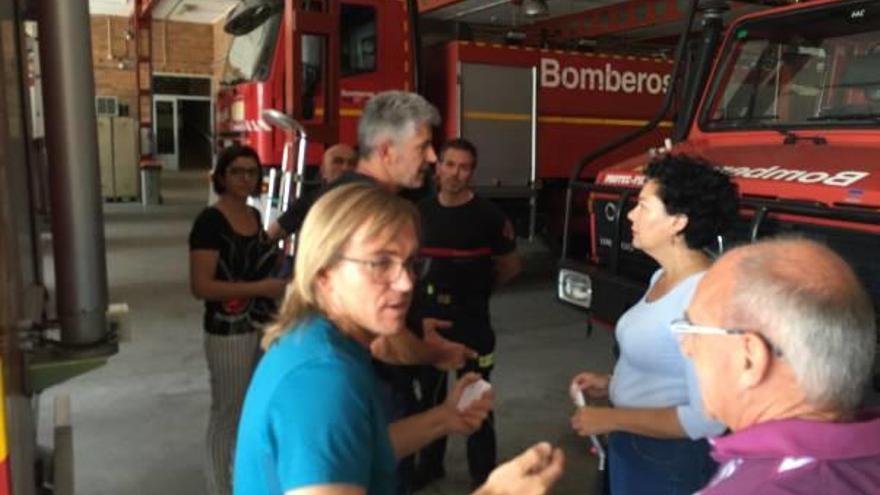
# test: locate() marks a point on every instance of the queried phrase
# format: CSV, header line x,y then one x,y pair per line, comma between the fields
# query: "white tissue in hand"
x,y
473,392
577,396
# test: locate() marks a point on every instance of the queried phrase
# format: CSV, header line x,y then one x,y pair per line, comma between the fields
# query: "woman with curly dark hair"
x,y
231,260
657,428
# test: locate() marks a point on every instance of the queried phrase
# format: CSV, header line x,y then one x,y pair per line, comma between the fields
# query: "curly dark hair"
x,y
225,158
694,187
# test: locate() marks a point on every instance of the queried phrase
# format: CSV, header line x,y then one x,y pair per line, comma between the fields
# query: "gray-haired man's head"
x,y
395,130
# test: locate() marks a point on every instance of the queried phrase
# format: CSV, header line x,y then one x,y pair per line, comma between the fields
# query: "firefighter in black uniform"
x,y
471,248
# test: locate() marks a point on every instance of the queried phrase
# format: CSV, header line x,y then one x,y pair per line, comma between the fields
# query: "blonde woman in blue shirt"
x,y
314,420
657,428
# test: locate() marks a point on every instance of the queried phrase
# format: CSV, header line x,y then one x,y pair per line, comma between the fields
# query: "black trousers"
x,y
481,445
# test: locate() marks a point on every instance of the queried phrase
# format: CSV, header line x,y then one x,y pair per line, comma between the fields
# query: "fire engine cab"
x,y
791,110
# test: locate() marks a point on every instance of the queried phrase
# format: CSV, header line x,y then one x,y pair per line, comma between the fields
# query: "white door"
x,y
166,130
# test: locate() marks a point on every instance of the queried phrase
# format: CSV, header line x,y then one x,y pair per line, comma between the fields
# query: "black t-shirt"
x,y
241,258
460,242
292,219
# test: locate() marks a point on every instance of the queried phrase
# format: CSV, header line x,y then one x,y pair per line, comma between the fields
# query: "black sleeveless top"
x,y
241,259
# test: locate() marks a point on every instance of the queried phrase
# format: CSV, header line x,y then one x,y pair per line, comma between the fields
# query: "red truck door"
x,y
311,50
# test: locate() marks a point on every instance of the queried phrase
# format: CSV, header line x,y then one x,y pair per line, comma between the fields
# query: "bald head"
x,y
804,299
338,159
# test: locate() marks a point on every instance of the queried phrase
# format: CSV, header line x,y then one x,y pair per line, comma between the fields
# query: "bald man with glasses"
x,y
783,355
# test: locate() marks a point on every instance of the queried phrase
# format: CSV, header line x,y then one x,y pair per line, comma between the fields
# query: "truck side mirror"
x,y
249,14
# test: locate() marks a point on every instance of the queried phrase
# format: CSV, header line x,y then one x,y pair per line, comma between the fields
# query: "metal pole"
x,y
298,178
270,198
286,178
300,165
74,182
533,196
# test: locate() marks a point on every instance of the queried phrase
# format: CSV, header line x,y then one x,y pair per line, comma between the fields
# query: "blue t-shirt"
x,y
313,416
652,371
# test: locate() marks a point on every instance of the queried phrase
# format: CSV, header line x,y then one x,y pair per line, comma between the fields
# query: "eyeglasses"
x,y
387,269
249,172
683,326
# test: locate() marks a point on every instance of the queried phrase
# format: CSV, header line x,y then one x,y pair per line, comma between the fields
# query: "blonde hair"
x,y
330,223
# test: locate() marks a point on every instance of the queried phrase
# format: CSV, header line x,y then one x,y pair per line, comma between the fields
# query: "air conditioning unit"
x,y
107,106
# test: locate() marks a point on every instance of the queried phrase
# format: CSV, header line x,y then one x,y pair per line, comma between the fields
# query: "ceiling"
x,y
200,11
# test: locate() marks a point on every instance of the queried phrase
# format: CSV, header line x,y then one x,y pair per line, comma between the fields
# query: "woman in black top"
x,y
231,261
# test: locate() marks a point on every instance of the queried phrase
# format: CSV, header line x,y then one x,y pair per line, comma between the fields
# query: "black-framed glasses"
x,y
388,269
249,172
683,326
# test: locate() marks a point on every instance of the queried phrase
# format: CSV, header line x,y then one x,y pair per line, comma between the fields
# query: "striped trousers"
x,y
231,361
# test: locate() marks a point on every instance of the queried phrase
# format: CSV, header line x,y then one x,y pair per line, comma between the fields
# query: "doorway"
x,y
182,122
194,134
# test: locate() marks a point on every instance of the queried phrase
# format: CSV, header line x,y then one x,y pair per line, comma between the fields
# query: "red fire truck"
x,y
792,111
530,112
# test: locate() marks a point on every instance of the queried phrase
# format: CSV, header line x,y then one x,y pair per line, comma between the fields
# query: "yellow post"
x,y
5,482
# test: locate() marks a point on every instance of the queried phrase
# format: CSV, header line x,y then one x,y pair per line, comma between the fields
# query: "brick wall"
x,y
109,53
183,48
178,48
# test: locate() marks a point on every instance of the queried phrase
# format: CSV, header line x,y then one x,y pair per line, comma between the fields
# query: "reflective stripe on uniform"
x,y
486,361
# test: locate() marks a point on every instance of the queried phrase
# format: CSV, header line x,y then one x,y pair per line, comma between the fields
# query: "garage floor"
x,y
139,422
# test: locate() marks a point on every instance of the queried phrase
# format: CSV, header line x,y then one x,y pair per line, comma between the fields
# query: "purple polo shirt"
x,y
799,456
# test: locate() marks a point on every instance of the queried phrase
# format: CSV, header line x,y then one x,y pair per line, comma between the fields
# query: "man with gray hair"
x,y
782,337
394,137
395,144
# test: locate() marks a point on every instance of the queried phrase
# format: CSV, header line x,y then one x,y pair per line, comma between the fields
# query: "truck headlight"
x,y
575,288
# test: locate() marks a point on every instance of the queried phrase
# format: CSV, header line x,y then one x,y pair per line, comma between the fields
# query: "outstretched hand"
x,y
448,355
533,472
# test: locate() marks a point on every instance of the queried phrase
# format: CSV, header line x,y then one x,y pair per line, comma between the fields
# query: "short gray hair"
x,y
819,315
394,115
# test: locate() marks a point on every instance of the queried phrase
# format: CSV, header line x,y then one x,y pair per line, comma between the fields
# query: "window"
x,y
107,105
808,69
184,86
358,39
250,55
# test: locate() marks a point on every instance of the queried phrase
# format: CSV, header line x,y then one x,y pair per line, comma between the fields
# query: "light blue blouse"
x,y
652,371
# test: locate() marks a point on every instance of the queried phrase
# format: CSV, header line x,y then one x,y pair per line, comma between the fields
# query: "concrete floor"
x,y
139,422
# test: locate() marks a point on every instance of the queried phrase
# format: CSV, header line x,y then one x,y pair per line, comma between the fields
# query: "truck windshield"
x,y
814,68
250,55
